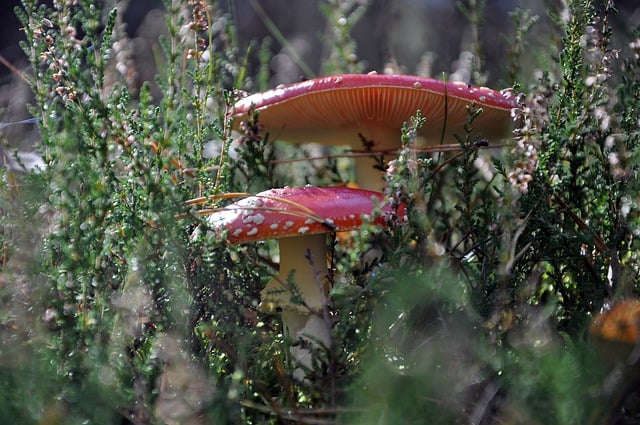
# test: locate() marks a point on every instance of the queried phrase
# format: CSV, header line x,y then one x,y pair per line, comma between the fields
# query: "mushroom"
x,y
616,331
349,109
300,218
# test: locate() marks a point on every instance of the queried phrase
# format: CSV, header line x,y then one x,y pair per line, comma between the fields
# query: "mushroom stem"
x,y
306,256
367,175
313,330
383,139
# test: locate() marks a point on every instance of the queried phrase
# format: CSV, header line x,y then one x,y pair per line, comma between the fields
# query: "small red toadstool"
x,y
300,218
616,333
345,109
616,330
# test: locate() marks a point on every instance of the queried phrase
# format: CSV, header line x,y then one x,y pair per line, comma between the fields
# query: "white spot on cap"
x,y
274,226
254,218
417,85
237,232
288,224
303,230
253,231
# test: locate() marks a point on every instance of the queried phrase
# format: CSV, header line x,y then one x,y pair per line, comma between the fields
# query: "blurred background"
x,y
424,37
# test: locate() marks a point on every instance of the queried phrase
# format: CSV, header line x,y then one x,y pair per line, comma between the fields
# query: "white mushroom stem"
x,y
384,139
367,175
306,256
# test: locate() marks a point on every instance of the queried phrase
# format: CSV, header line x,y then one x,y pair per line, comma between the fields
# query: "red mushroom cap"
x,y
621,323
298,211
333,110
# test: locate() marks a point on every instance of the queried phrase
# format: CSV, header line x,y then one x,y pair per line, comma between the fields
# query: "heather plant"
x,y
120,305
581,188
473,11
341,18
538,244
118,172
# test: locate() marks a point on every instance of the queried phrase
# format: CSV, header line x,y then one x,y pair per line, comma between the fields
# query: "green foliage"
x,y
577,227
473,11
120,305
523,21
341,18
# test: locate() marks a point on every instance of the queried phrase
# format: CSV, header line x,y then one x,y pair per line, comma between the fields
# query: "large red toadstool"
x,y
300,218
345,109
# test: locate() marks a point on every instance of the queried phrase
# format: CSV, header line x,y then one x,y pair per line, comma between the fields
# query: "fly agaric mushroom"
x,y
300,218
617,331
349,109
